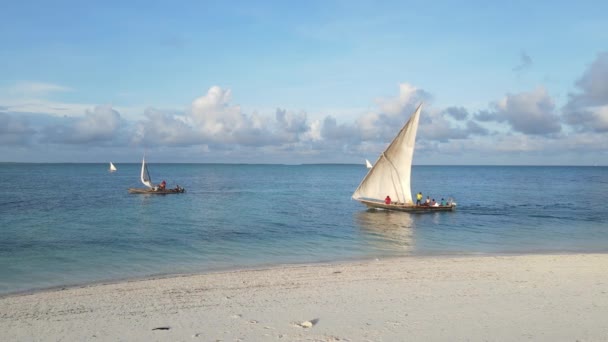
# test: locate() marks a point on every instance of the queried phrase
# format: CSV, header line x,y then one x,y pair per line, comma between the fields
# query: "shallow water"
x,y
75,223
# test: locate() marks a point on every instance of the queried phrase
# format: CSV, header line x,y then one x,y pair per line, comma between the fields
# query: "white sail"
x,y
112,167
368,164
390,175
145,175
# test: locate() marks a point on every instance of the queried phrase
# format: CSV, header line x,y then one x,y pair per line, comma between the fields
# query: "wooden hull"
x,y
156,192
406,207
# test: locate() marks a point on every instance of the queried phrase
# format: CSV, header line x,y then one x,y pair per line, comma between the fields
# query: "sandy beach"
x,y
494,298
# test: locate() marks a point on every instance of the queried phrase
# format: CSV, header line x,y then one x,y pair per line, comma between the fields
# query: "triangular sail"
x,y
112,167
145,175
390,175
368,164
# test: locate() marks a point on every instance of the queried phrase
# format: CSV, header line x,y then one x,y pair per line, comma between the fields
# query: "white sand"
x,y
505,298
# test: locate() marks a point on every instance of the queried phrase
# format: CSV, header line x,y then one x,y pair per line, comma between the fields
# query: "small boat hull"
x,y
156,192
407,207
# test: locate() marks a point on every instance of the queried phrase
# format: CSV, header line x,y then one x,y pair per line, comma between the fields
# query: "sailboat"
x,y
368,164
112,167
390,175
150,187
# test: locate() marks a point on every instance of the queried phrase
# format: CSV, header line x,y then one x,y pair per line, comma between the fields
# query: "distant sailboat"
x,y
145,174
368,164
147,181
112,167
390,176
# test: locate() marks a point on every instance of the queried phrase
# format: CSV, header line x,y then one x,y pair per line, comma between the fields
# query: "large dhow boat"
x,y
390,175
150,187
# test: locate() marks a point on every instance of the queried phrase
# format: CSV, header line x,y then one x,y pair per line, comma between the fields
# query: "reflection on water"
x,y
387,232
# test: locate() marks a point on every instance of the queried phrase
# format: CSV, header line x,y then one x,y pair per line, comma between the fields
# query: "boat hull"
x,y
156,192
406,207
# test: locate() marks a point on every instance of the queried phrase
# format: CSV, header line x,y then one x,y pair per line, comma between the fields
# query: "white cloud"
x,y
213,120
14,130
36,97
99,125
380,123
586,109
27,88
409,98
160,128
213,126
527,112
314,132
216,120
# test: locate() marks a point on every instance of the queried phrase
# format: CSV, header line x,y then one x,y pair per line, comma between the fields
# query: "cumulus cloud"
x,y
212,123
214,116
593,84
332,131
160,128
442,131
392,112
458,113
289,122
14,130
100,124
475,129
213,120
437,127
378,127
587,109
408,99
528,112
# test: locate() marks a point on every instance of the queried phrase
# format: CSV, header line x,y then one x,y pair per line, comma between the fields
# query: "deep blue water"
x,y
65,224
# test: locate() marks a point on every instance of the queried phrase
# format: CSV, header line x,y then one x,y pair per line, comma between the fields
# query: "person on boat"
x,y
428,201
442,202
419,198
434,203
162,185
387,200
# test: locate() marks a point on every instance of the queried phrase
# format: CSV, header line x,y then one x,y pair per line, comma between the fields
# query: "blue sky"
x,y
303,82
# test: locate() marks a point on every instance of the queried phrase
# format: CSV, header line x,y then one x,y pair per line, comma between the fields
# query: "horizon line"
x,y
304,164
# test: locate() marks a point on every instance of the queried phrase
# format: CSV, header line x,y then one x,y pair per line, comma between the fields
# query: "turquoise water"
x,y
66,224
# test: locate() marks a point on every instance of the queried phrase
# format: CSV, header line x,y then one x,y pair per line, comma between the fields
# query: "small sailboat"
x,y
368,164
387,183
112,167
150,187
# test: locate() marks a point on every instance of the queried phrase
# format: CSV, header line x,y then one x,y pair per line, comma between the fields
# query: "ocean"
x,y
72,224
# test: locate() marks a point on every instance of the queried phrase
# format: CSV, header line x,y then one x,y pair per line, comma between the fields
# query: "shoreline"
x,y
487,297
267,266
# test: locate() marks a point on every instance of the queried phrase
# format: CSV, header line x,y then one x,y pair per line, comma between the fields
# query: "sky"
x,y
286,82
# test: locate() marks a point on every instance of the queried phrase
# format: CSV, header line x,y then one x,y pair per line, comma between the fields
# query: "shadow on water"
x,y
386,232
